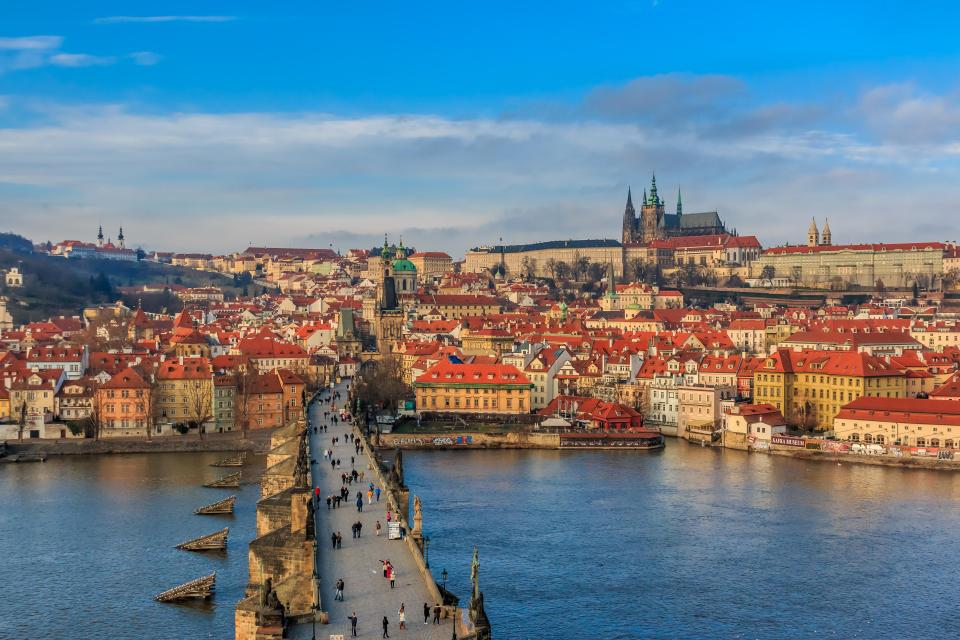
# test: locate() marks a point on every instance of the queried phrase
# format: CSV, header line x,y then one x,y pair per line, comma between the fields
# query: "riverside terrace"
x,y
293,578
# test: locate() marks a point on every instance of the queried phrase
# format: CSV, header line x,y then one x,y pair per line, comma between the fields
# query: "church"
x,y
655,223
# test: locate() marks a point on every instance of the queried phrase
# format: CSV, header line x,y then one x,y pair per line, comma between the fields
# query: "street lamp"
x,y
316,583
443,577
426,551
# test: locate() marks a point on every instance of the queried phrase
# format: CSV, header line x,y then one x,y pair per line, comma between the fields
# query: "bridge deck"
x,y
358,561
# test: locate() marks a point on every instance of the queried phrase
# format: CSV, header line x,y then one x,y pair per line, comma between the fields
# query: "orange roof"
x,y
126,379
446,372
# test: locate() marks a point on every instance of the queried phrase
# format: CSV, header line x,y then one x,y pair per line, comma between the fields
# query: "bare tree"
x,y
244,380
93,426
22,421
199,403
551,265
381,384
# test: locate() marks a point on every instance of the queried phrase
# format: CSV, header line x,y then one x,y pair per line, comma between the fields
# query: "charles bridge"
x,y
290,592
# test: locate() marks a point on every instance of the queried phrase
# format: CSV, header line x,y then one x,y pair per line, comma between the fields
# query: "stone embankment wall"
x,y
469,440
257,443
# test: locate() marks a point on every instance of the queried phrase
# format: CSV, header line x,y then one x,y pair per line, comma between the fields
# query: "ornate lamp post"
x,y
443,577
426,551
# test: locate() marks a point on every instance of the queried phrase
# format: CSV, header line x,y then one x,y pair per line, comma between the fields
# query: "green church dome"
x,y
402,265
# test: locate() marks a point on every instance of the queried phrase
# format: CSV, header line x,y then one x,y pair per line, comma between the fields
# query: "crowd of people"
x,y
369,496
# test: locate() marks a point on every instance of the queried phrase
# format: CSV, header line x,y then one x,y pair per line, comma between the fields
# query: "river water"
x,y
87,541
683,543
694,543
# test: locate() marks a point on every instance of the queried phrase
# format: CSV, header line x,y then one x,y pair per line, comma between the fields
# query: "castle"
x,y
655,223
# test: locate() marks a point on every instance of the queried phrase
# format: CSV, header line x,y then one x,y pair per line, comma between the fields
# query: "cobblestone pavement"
x,y
366,591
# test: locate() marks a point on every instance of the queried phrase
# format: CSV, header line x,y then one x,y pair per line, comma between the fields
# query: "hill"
x,y
58,286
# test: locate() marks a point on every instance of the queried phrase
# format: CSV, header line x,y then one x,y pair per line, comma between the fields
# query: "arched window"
x,y
935,442
921,442
948,444
855,437
880,439
868,438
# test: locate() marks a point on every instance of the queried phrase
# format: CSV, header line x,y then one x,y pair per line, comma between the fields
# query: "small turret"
x,y
100,236
120,238
813,235
826,237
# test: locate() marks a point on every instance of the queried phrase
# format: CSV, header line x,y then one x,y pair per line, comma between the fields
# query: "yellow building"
x,y
896,265
810,387
185,391
473,388
536,259
486,342
901,421
431,265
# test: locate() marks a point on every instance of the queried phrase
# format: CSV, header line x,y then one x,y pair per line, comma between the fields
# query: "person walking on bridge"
x,y
353,624
426,613
402,614
339,590
386,627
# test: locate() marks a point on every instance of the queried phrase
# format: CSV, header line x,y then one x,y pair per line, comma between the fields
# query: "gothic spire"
x,y
629,200
645,199
653,190
679,203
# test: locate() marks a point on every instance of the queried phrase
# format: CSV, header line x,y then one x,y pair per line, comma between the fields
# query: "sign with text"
x,y
787,441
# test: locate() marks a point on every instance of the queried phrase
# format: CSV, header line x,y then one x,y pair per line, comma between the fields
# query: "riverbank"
x,y
902,462
521,440
255,442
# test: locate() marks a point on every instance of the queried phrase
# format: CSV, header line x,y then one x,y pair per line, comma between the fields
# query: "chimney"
x,y
180,360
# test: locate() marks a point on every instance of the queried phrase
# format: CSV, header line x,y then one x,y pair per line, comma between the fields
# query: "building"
x,y
820,263
13,277
540,259
698,409
810,387
75,400
431,265
224,402
751,426
654,223
455,387
72,360
900,421
123,403
185,392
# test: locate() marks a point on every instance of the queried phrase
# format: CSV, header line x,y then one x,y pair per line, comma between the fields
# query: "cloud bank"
x,y
881,165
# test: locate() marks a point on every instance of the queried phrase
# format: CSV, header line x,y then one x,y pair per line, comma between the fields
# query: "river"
x,y
693,543
87,541
683,543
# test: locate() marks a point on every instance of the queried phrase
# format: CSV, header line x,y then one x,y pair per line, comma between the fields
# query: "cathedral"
x,y
655,224
396,279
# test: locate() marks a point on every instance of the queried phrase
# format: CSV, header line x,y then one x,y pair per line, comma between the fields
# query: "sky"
x,y
209,126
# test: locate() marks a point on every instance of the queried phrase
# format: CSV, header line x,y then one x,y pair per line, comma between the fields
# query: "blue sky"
x,y
204,126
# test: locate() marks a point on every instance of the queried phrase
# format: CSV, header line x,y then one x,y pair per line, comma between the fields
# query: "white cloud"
x,y
155,19
75,60
31,43
453,183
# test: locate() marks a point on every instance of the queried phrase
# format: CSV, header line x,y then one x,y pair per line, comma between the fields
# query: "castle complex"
x,y
655,224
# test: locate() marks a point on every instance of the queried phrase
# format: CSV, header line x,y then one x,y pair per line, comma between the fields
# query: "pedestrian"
x,y
353,529
402,614
339,540
359,503
333,540
436,613
386,627
385,563
369,496
359,528
377,491
328,502
339,590
403,531
353,624
378,528
426,613
389,516
393,577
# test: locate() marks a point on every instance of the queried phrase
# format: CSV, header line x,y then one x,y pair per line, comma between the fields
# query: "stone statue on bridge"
x,y
417,515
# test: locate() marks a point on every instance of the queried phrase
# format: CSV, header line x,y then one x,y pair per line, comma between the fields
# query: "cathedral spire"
x,y
100,236
629,200
653,190
645,199
679,203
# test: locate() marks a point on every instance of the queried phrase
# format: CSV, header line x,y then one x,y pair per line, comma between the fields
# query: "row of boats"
x,y
203,587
